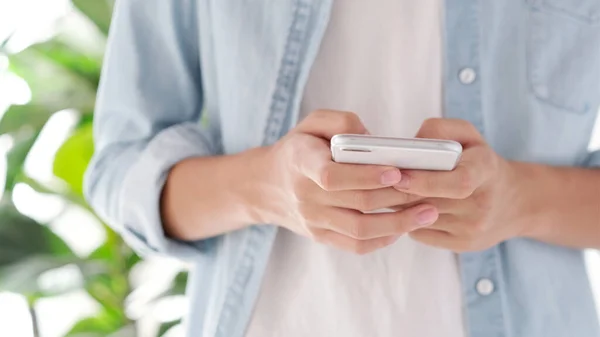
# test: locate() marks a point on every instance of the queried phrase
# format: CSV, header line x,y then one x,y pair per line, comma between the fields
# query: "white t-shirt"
x,y
382,60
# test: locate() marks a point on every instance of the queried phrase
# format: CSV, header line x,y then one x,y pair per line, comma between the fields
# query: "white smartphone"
x,y
404,153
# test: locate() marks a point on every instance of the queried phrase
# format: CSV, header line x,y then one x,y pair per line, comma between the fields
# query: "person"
x,y
212,134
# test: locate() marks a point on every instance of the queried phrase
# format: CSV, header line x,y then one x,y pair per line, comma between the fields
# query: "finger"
x,y
368,200
332,176
328,123
470,173
348,244
357,225
451,206
436,238
445,240
451,129
314,161
443,205
450,223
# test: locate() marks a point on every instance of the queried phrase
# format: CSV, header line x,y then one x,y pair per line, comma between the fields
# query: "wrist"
x,y
255,188
207,196
533,186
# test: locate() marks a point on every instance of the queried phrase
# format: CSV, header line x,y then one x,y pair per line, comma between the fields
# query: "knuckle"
x,y
403,223
299,144
363,201
476,229
401,227
294,147
432,123
492,160
357,229
483,202
463,124
405,199
317,115
295,141
465,127
305,210
308,144
326,177
430,183
301,189
466,183
349,121
474,132
432,126
411,198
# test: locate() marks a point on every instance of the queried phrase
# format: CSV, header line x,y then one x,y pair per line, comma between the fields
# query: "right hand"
x,y
306,192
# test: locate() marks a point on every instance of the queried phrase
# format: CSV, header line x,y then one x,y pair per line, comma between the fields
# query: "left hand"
x,y
477,201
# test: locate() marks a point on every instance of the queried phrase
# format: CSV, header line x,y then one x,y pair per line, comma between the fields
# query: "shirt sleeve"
x,y
594,160
147,119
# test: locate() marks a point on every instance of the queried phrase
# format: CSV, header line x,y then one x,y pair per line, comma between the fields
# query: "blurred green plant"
x,y
63,74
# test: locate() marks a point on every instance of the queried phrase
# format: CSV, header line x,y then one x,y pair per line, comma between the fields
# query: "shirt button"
x,y
485,287
467,76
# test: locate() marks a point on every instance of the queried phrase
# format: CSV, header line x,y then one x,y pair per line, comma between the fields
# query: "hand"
x,y
477,202
303,190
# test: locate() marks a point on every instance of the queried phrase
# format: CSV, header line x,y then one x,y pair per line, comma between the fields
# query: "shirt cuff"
x,y
593,160
139,208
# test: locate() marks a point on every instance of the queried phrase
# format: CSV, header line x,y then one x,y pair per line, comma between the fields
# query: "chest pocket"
x,y
564,53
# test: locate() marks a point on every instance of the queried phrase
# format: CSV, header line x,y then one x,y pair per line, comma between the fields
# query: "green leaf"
x,y
22,238
132,259
101,325
109,290
112,251
106,253
73,157
68,58
98,11
16,160
115,252
86,118
53,86
28,249
22,277
30,116
179,284
165,327
86,334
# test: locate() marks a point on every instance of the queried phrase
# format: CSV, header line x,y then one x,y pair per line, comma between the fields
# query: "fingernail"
x,y
391,177
427,217
404,184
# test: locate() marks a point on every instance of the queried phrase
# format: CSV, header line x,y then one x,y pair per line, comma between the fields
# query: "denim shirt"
x,y
187,78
